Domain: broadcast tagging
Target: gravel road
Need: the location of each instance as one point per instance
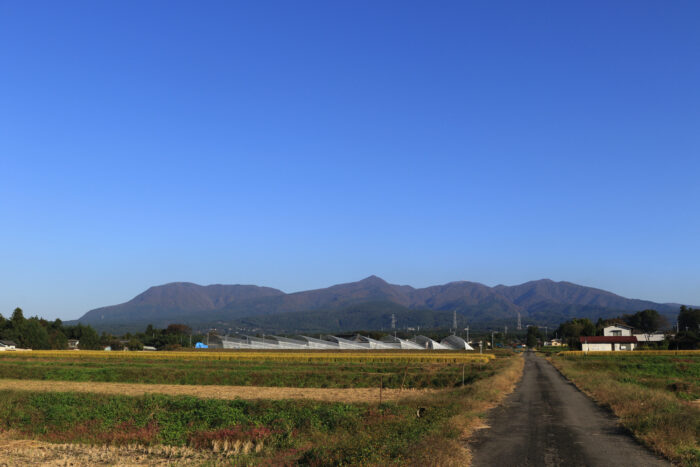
(548, 422)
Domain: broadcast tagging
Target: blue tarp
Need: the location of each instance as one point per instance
(199, 345)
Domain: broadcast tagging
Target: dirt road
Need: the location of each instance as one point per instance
(548, 422)
(370, 395)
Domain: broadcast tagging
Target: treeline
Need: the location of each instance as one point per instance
(39, 334)
(646, 321)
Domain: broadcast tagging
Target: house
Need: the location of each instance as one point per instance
(622, 330)
(553, 343)
(607, 343)
(617, 330)
(7, 345)
(73, 344)
(653, 337)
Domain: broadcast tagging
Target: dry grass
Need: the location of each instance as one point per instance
(357, 395)
(476, 400)
(16, 452)
(669, 426)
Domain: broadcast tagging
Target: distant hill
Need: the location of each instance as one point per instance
(366, 304)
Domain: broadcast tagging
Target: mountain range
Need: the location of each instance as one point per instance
(366, 304)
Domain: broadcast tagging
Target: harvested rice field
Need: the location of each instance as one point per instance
(336, 408)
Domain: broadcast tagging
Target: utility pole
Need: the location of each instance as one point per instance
(454, 321)
(393, 321)
(467, 329)
(520, 324)
(492, 347)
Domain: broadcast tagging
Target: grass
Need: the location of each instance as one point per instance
(654, 395)
(318, 373)
(269, 432)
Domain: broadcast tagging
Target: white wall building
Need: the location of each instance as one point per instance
(607, 343)
(617, 330)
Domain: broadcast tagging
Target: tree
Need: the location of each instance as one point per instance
(573, 329)
(689, 319)
(89, 339)
(57, 340)
(17, 318)
(32, 335)
(533, 336)
(648, 321)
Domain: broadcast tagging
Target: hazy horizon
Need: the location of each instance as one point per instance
(302, 145)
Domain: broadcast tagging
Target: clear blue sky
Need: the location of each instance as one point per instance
(302, 144)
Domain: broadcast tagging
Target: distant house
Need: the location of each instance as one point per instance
(653, 337)
(149, 348)
(607, 343)
(553, 343)
(7, 345)
(622, 330)
(617, 330)
(73, 344)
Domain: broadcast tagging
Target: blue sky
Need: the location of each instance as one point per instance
(302, 144)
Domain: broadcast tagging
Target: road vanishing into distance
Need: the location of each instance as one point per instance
(547, 421)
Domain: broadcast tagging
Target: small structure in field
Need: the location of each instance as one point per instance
(607, 343)
(456, 343)
(73, 344)
(7, 345)
(553, 343)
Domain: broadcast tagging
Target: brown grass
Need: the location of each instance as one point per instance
(476, 400)
(216, 392)
(29, 452)
(657, 418)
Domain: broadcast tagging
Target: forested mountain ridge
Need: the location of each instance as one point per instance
(367, 304)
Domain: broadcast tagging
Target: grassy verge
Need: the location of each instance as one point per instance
(657, 413)
(267, 432)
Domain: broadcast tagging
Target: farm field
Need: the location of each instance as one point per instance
(57, 422)
(272, 369)
(655, 394)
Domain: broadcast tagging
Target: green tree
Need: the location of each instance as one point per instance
(17, 318)
(533, 336)
(573, 329)
(57, 340)
(135, 344)
(32, 335)
(689, 319)
(89, 339)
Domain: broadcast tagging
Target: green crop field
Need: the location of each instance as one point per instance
(655, 394)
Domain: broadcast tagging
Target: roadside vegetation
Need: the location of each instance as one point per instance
(430, 428)
(656, 395)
